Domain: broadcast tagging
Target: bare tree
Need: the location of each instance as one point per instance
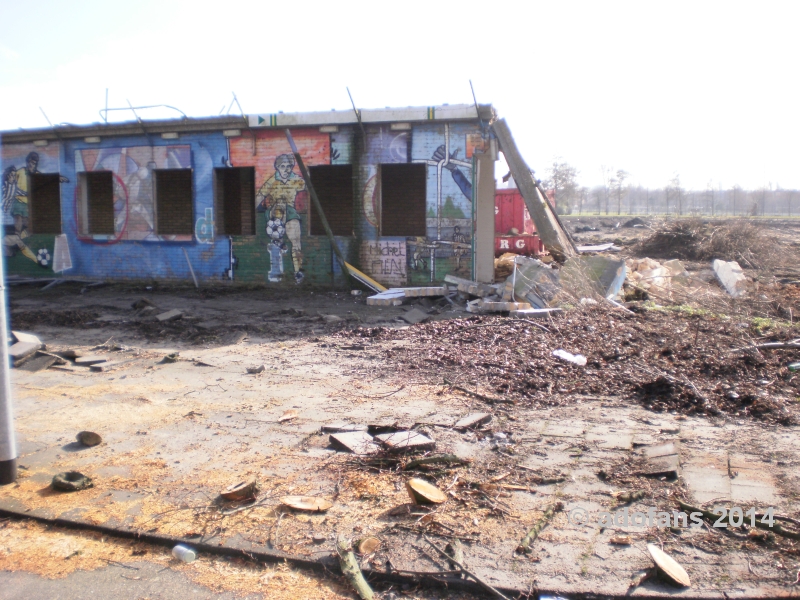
(617, 185)
(675, 193)
(563, 182)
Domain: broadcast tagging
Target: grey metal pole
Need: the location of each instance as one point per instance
(8, 443)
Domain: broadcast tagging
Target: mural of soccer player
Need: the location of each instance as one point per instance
(277, 197)
(13, 205)
(462, 181)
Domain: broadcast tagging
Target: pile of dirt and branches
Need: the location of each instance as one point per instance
(751, 244)
(692, 364)
(55, 318)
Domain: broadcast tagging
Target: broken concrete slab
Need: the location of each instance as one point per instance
(415, 316)
(731, 277)
(342, 427)
(38, 363)
(480, 306)
(357, 442)
(70, 354)
(88, 361)
(170, 315)
(21, 336)
(584, 276)
(473, 288)
(391, 297)
(534, 281)
(406, 441)
(534, 313)
(22, 350)
(473, 420)
(662, 460)
(423, 292)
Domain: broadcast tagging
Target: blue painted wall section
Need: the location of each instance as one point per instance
(274, 255)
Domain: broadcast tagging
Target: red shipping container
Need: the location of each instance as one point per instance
(510, 212)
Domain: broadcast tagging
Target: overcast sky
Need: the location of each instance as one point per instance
(707, 90)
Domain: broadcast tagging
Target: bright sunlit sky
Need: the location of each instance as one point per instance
(707, 90)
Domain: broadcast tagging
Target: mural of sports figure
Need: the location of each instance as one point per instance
(277, 197)
(16, 188)
(464, 184)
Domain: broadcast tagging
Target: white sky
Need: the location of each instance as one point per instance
(708, 90)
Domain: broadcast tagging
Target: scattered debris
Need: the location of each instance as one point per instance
(669, 567)
(244, 490)
(38, 363)
(29, 338)
(620, 540)
(578, 359)
(662, 460)
(142, 303)
(184, 553)
(22, 350)
(170, 315)
(525, 545)
(406, 441)
(71, 481)
(256, 370)
(289, 415)
(437, 459)
(351, 570)
(731, 277)
(415, 316)
(368, 545)
(89, 438)
(422, 492)
(473, 420)
(173, 357)
(92, 359)
(306, 503)
(342, 428)
(357, 442)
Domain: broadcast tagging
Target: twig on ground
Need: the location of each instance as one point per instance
(351, 570)
(525, 545)
(464, 570)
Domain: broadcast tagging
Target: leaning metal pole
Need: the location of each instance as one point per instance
(8, 444)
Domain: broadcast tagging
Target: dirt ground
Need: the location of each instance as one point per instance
(181, 419)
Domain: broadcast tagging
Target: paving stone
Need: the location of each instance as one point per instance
(21, 336)
(92, 359)
(406, 441)
(357, 442)
(473, 420)
(706, 476)
(611, 440)
(555, 430)
(38, 363)
(415, 316)
(170, 315)
(22, 350)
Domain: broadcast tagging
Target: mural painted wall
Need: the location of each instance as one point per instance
(26, 252)
(282, 251)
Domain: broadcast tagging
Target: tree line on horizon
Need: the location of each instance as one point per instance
(616, 197)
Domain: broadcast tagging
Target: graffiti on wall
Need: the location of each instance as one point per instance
(18, 169)
(204, 228)
(385, 260)
(134, 187)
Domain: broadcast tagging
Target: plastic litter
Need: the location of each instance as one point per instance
(578, 359)
(184, 553)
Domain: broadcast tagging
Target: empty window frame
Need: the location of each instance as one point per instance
(235, 199)
(174, 206)
(403, 200)
(334, 187)
(96, 203)
(44, 203)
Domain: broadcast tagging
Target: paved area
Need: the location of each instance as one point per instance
(177, 433)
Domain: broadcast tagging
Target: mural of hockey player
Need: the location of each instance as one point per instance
(16, 189)
(277, 197)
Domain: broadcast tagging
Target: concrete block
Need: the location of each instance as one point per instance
(357, 442)
(21, 336)
(415, 316)
(388, 298)
(731, 277)
(424, 292)
(473, 420)
(39, 363)
(22, 350)
(406, 441)
(170, 315)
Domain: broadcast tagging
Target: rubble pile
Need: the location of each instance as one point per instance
(667, 360)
